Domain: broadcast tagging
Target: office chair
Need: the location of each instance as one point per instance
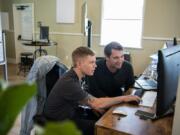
(45, 71)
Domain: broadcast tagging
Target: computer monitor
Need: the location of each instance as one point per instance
(168, 70)
(44, 33)
(84, 26)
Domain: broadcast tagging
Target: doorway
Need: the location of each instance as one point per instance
(23, 17)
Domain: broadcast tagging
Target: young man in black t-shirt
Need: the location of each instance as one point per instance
(113, 74)
(67, 93)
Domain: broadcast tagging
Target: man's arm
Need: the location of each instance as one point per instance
(106, 102)
(89, 99)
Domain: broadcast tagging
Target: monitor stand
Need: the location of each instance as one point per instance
(169, 112)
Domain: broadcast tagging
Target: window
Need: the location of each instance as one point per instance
(122, 22)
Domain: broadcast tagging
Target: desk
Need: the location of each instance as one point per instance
(110, 124)
(39, 44)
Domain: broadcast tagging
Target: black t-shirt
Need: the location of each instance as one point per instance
(64, 97)
(105, 83)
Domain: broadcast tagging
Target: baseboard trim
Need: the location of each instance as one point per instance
(159, 38)
(11, 60)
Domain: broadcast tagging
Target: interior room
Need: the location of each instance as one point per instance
(65, 29)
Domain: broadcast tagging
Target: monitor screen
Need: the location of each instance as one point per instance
(44, 32)
(168, 70)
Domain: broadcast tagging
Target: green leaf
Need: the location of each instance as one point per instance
(61, 128)
(3, 86)
(12, 101)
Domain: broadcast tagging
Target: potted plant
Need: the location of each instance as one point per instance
(12, 100)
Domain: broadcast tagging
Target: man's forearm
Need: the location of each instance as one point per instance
(103, 103)
(106, 102)
(88, 100)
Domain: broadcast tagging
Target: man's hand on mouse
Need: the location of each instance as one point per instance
(130, 98)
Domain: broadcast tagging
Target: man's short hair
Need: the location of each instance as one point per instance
(81, 52)
(110, 46)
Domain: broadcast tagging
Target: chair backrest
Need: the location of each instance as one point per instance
(51, 78)
(42, 68)
(53, 75)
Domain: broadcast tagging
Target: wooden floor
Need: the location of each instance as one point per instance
(14, 78)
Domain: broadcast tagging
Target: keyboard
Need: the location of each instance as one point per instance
(148, 98)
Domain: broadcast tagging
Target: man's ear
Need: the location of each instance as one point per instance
(79, 62)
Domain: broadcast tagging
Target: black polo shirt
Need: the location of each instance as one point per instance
(64, 97)
(105, 83)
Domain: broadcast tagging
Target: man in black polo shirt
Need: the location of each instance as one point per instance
(67, 93)
(113, 74)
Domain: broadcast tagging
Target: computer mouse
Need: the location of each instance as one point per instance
(134, 102)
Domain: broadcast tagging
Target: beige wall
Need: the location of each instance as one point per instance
(161, 22)
(0, 4)
(162, 18)
(10, 47)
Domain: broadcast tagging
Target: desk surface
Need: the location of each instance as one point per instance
(111, 124)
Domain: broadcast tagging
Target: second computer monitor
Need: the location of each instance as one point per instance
(44, 33)
(168, 72)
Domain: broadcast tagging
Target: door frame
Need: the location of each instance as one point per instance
(18, 43)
